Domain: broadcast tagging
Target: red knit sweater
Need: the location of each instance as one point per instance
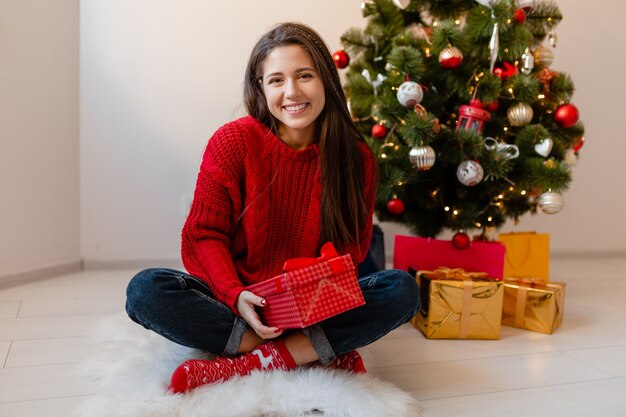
(257, 204)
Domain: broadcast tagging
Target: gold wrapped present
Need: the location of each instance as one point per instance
(459, 305)
(533, 304)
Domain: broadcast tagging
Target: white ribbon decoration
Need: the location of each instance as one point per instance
(505, 150)
(380, 78)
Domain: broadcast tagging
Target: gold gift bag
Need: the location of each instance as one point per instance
(533, 304)
(458, 305)
(527, 255)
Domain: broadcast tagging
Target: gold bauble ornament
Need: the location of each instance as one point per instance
(519, 114)
(543, 56)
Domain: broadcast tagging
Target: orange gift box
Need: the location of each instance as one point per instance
(311, 290)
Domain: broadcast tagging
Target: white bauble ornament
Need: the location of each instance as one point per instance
(410, 93)
(519, 114)
(470, 173)
(422, 157)
(402, 4)
(544, 147)
(550, 202)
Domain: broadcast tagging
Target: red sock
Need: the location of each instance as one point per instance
(196, 372)
(350, 361)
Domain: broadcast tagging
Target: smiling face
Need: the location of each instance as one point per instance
(294, 92)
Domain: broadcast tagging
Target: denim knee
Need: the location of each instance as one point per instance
(141, 292)
(406, 292)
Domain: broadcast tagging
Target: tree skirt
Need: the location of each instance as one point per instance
(131, 369)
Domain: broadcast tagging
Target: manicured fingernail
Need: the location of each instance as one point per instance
(277, 331)
(263, 302)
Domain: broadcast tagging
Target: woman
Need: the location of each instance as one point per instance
(274, 185)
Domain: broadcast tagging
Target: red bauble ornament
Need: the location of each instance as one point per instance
(493, 106)
(579, 144)
(461, 241)
(505, 70)
(566, 115)
(395, 206)
(450, 57)
(341, 59)
(379, 131)
(519, 15)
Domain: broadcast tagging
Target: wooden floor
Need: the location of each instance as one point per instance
(578, 371)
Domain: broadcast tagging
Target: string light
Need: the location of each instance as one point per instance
(457, 21)
(541, 96)
(523, 192)
(383, 156)
(446, 208)
(489, 219)
(455, 212)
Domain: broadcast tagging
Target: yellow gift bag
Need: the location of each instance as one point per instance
(527, 254)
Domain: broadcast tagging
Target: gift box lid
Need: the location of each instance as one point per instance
(304, 271)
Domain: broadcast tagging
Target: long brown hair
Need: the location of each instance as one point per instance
(343, 209)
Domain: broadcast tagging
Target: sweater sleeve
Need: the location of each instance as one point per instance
(358, 252)
(206, 235)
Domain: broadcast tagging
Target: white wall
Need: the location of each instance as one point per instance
(39, 206)
(158, 77)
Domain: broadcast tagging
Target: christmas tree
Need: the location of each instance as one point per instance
(457, 100)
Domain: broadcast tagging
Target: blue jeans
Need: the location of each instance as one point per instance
(183, 309)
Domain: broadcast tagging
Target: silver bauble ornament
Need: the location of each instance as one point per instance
(528, 62)
(519, 114)
(470, 173)
(543, 56)
(551, 202)
(410, 93)
(553, 38)
(422, 157)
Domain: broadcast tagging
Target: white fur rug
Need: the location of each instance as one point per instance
(132, 367)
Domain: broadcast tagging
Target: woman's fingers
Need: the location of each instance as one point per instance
(245, 305)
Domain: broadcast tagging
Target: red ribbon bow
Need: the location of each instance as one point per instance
(328, 252)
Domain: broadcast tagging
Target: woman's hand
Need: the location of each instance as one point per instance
(245, 305)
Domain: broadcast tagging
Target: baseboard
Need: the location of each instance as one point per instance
(587, 254)
(41, 273)
(138, 264)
